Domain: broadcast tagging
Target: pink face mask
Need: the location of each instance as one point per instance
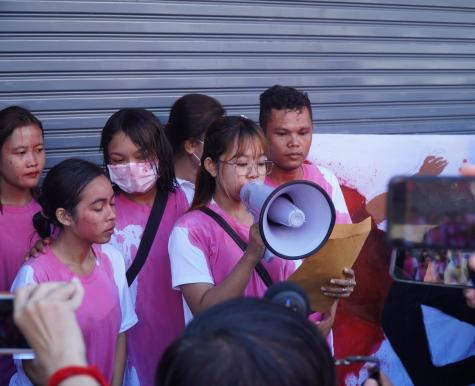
(134, 177)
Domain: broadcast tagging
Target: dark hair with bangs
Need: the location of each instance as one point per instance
(220, 136)
(190, 116)
(146, 132)
(12, 118)
(248, 342)
(282, 98)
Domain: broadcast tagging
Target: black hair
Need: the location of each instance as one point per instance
(219, 137)
(10, 119)
(282, 98)
(62, 188)
(146, 132)
(248, 342)
(190, 116)
(13, 117)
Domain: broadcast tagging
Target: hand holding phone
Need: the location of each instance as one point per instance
(12, 340)
(431, 224)
(45, 314)
(432, 212)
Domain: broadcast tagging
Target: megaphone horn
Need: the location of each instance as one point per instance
(295, 219)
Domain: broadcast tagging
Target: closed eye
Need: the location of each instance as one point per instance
(117, 161)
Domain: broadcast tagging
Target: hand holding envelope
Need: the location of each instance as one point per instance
(340, 251)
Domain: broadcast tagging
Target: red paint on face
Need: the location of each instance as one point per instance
(22, 157)
(357, 330)
(94, 218)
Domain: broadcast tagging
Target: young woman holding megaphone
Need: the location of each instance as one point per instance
(207, 265)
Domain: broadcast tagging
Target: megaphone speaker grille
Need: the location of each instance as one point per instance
(291, 242)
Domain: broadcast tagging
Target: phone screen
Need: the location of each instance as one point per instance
(446, 267)
(372, 364)
(433, 212)
(11, 339)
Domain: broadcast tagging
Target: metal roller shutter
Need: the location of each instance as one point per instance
(386, 66)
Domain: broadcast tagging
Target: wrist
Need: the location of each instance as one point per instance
(77, 373)
(64, 361)
(252, 257)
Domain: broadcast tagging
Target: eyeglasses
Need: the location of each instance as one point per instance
(263, 168)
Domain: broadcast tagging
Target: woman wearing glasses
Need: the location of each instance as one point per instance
(206, 263)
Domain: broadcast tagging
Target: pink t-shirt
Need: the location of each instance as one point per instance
(159, 308)
(105, 311)
(327, 180)
(202, 252)
(17, 236)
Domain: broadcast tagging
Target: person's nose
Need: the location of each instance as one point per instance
(294, 140)
(253, 171)
(111, 213)
(32, 160)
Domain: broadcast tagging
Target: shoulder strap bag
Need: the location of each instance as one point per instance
(260, 269)
(148, 236)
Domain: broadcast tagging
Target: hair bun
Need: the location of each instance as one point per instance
(42, 225)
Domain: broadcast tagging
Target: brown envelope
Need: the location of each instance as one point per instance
(340, 251)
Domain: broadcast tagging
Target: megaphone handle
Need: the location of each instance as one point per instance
(268, 256)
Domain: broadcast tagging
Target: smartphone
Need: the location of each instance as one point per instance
(373, 362)
(431, 212)
(443, 267)
(12, 340)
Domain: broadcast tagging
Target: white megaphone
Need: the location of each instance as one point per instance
(295, 219)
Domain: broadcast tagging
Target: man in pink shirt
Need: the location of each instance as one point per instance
(286, 117)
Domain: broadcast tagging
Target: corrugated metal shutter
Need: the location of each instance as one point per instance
(385, 66)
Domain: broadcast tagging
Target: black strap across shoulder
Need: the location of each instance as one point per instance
(260, 269)
(148, 236)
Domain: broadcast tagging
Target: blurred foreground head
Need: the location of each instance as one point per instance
(248, 342)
